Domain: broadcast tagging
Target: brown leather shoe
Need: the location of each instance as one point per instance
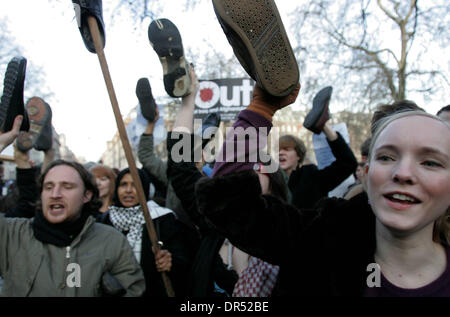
(40, 134)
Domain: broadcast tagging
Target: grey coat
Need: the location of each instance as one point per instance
(158, 168)
(32, 268)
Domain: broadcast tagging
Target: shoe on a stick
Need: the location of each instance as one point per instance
(320, 113)
(84, 9)
(12, 99)
(146, 100)
(256, 33)
(166, 41)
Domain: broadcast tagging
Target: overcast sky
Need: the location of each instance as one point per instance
(82, 111)
(81, 107)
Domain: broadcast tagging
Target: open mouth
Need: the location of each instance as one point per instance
(129, 198)
(56, 208)
(402, 198)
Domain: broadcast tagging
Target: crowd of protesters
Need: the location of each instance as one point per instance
(245, 230)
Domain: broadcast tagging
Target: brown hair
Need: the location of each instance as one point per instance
(385, 110)
(94, 203)
(290, 140)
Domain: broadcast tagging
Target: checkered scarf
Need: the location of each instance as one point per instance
(257, 280)
(132, 219)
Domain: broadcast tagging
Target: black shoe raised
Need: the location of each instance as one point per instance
(256, 33)
(210, 125)
(83, 9)
(146, 100)
(40, 134)
(45, 139)
(166, 41)
(12, 98)
(319, 114)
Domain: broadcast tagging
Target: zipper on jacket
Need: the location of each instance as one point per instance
(62, 285)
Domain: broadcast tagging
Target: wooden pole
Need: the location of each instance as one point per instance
(95, 33)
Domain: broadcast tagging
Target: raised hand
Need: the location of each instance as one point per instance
(8, 137)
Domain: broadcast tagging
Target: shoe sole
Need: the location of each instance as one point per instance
(166, 41)
(146, 100)
(12, 98)
(320, 101)
(44, 141)
(39, 116)
(258, 25)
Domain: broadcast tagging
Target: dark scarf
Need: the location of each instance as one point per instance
(59, 234)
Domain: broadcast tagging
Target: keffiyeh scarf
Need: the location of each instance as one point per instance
(257, 280)
(131, 220)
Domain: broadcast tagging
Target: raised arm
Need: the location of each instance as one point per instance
(184, 121)
(183, 174)
(146, 153)
(256, 122)
(344, 165)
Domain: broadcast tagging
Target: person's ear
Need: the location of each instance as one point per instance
(365, 176)
(87, 196)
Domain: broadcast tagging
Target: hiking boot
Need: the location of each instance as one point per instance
(83, 9)
(319, 114)
(146, 100)
(256, 33)
(166, 41)
(12, 98)
(212, 120)
(40, 134)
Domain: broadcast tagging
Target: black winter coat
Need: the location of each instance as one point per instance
(308, 184)
(320, 251)
(180, 241)
(208, 266)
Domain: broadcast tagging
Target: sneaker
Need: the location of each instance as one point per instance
(83, 9)
(40, 133)
(256, 33)
(12, 98)
(319, 114)
(166, 41)
(146, 100)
